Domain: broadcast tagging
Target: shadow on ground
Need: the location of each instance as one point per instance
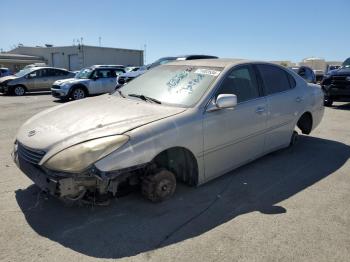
(131, 225)
(41, 93)
(344, 106)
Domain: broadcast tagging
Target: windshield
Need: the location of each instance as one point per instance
(23, 72)
(84, 73)
(173, 84)
(347, 63)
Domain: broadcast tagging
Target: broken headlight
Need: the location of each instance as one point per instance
(77, 158)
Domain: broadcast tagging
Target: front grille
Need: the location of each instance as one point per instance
(340, 82)
(56, 87)
(30, 155)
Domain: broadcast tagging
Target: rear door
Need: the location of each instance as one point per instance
(284, 102)
(235, 136)
(43, 81)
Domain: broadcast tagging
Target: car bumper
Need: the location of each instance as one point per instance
(71, 185)
(336, 92)
(59, 93)
(37, 175)
(3, 89)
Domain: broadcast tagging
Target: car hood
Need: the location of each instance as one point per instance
(70, 81)
(6, 78)
(340, 72)
(62, 126)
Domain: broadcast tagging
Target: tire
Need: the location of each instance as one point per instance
(78, 93)
(18, 90)
(328, 102)
(159, 186)
(293, 139)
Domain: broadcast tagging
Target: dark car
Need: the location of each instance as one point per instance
(305, 72)
(128, 76)
(336, 84)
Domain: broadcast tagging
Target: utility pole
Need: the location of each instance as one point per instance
(99, 41)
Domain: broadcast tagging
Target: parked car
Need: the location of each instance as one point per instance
(5, 72)
(305, 72)
(331, 68)
(35, 65)
(128, 76)
(336, 84)
(187, 121)
(131, 68)
(32, 79)
(93, 80)
(319, 75)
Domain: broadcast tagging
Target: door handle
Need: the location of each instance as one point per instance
(298, 99)
(260, 110)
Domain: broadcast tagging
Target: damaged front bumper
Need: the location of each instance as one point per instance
(67, 185)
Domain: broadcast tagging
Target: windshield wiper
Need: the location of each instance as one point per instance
(146, 98)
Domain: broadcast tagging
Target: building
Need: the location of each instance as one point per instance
(285, 63)
(16, 62)
(79, 56)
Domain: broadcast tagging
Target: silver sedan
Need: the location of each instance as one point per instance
(186, 121)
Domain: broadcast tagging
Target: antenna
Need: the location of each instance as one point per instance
(99, 41)
(144, 54)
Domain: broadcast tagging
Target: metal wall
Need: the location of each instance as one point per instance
(77, 57)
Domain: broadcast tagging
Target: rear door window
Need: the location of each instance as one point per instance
(275, 79)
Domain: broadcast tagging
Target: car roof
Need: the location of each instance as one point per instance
(221, 62)
(192, 57)
(107, 66)
(44, 67)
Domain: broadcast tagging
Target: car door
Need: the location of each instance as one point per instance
(284, 103)
(43, 81)
(31, 80)
(100, 81)
(110, 81)
(235, 136)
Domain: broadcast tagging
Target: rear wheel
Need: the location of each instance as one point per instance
(159, 186)
(78, 93)
(19, 91)
(328, 101)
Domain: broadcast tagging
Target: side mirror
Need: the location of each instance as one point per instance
(223, 101)
(94, 78)
(226, 101)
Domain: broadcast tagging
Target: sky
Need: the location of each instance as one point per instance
(251, 29)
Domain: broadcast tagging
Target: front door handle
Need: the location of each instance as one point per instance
(298, 99)
(260, 110)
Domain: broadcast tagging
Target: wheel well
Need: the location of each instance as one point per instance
(181, 162)
(80, 86)
(305, 123)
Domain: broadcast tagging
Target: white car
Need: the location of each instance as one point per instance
(93, 80)
(186, 121)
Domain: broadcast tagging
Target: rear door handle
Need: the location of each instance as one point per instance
(260, 110)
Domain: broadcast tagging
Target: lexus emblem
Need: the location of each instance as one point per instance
(31, 133)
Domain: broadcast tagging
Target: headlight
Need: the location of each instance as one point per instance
(77, 158)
